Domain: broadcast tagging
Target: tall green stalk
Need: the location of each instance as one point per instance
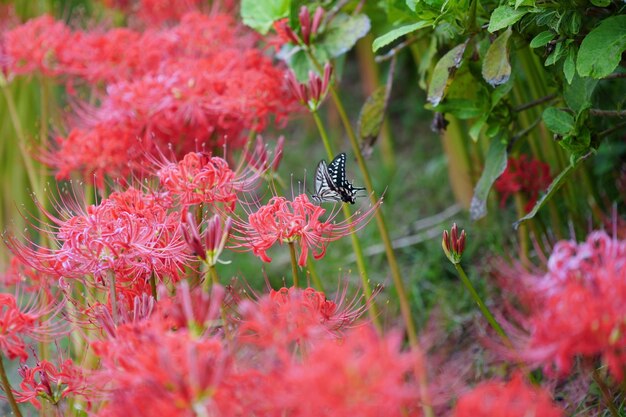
(356, 244)
(6, 386)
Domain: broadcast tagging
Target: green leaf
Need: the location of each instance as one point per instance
(478, 126)
(396, 33)
(372, 115)
(461, 108)
(542, 39)
(569, 66)
(504, 16)
(443, 72)
(578, 144)
(261, 14)
(343, 32)
(601, 3)
(578, 94)
(494, 167)
(558, 121)
(558, 52)
(500, 92)
(554, 186)
(496, 66)
(601, 50)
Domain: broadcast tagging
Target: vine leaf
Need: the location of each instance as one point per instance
(443, 72)
(396, 33)
(494, 167)
(504, 16)
(261, 14)
(601, 50)
(496, 65)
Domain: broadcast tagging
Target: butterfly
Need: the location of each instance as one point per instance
(331, 183)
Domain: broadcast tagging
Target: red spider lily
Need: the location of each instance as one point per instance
(156, 12)
(512, 399)
(130, 234)
(209, 247)
(261, 160)
(314, 92)
(206, 93)
(522, 175)
(147, 371)
(453, 244)
(293, 316)
(31, 320)
(52, 383)
(577, 307)
(284, 221)
(192, 309)
(202, 178)
(361, 375)
(308, 27)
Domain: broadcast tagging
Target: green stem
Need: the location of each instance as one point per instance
(7, 389)
(483, 308)
(153, 288)
(215, 280)
(21, 139)
(316, 279)
(380, 221)
(356, 244)
(294, 264)
(606, 394)
(113, 296)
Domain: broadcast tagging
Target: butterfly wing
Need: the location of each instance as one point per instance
(337, 172)
(325, 189)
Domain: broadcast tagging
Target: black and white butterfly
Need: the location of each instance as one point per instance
(331, 183)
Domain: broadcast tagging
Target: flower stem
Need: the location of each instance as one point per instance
(606, 394)
(380, 221)
(153, 286)
(215, 280)
(294, 264)
(356, 244)
(6, 386)
(113, 296)
(481, 305)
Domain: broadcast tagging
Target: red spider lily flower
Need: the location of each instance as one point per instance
(577, 307)
(522, 175)
(130, 234)
(192, 309)
(361, 375)
(314, 92)
(453, 245)
(51, 383)
(298, 221)
(26, 321)
(512, 399)
(157, 91)
(261, 160)
(148, 371)
(294, 316)
(202, 178)
(209, 247)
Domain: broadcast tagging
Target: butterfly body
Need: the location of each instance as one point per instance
(331, 183)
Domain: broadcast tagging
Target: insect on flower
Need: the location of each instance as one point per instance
(331, 183)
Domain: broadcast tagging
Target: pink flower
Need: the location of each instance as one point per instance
(50, 382)
(130, 234)
(202, 178)
(506, 399)
(362, 374)
(577, 306)
(29, 320)
(298, 221)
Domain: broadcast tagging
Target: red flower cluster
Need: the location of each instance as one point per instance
(298, 221)
(511, 399)
(175, 362)
(29, 321)
(577, 306)
(130, 234)
(522, 175)
(158, 93)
